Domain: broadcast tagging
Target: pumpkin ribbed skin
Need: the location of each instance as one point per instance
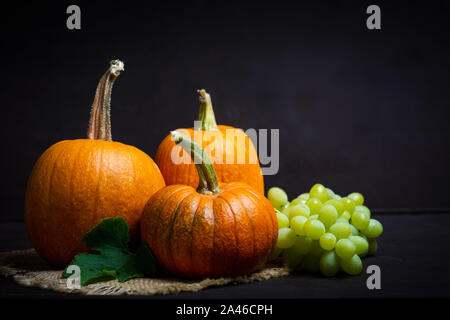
(195, 235)
(218, 145)
(77, 183)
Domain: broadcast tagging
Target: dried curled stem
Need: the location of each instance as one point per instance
(100, 120)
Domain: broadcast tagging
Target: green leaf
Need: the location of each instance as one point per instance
(109, 232)
(139, 265)
(115, 261)
(145, 259)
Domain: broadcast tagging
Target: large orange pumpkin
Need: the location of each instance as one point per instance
(77, 183)
(225, 229)
(231, 150)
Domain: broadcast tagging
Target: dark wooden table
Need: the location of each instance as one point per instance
(413, 256)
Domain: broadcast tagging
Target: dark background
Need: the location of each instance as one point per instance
(358, 110)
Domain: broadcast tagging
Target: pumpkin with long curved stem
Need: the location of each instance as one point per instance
(225, 229)
(232, 152)
(77, 183)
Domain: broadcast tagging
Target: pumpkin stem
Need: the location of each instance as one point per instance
(206, 112)
(100, 120)
(207, 175)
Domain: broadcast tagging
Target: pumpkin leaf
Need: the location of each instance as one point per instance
(138, 265)
(111, 232)
(114, 261)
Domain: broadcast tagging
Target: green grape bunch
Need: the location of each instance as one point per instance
(322, 231)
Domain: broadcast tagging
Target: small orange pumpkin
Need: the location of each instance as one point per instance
(77, 183)
(217, 230)
(233, 153)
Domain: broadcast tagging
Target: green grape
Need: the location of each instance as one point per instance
(314, 229)
(346, 215)
(297, 225)
(328, 215)
(341, 230)
(277, 197)
(352, 265)
(357, 198)
(314, 205)
(286, 238)
(338, 204)
(374, 229)
(349, 204)
(354, 231)
(291, 258)
(318, 191)
(311, 263)
(362, 209)
(343, 220)
(302, 245)
(373, 246)
(314, 217)
(283, 221)
(330, 193)
(327, 241)
(299, 210)
(362, 246)
(276, 252)
(304, 196)
(337, 197)
(367, 240)
(316, 249)
(284, 209)
(329, 264)
(345, 248)
(360, 220)
(294, 202)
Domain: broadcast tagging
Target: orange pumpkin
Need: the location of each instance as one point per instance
(217, 230)
(77, 183)
(231, 150)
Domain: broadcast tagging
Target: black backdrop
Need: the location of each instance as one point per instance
(357, 109)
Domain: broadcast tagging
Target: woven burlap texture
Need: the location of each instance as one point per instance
(27, 269)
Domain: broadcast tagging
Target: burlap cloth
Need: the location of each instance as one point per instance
(27, 269)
